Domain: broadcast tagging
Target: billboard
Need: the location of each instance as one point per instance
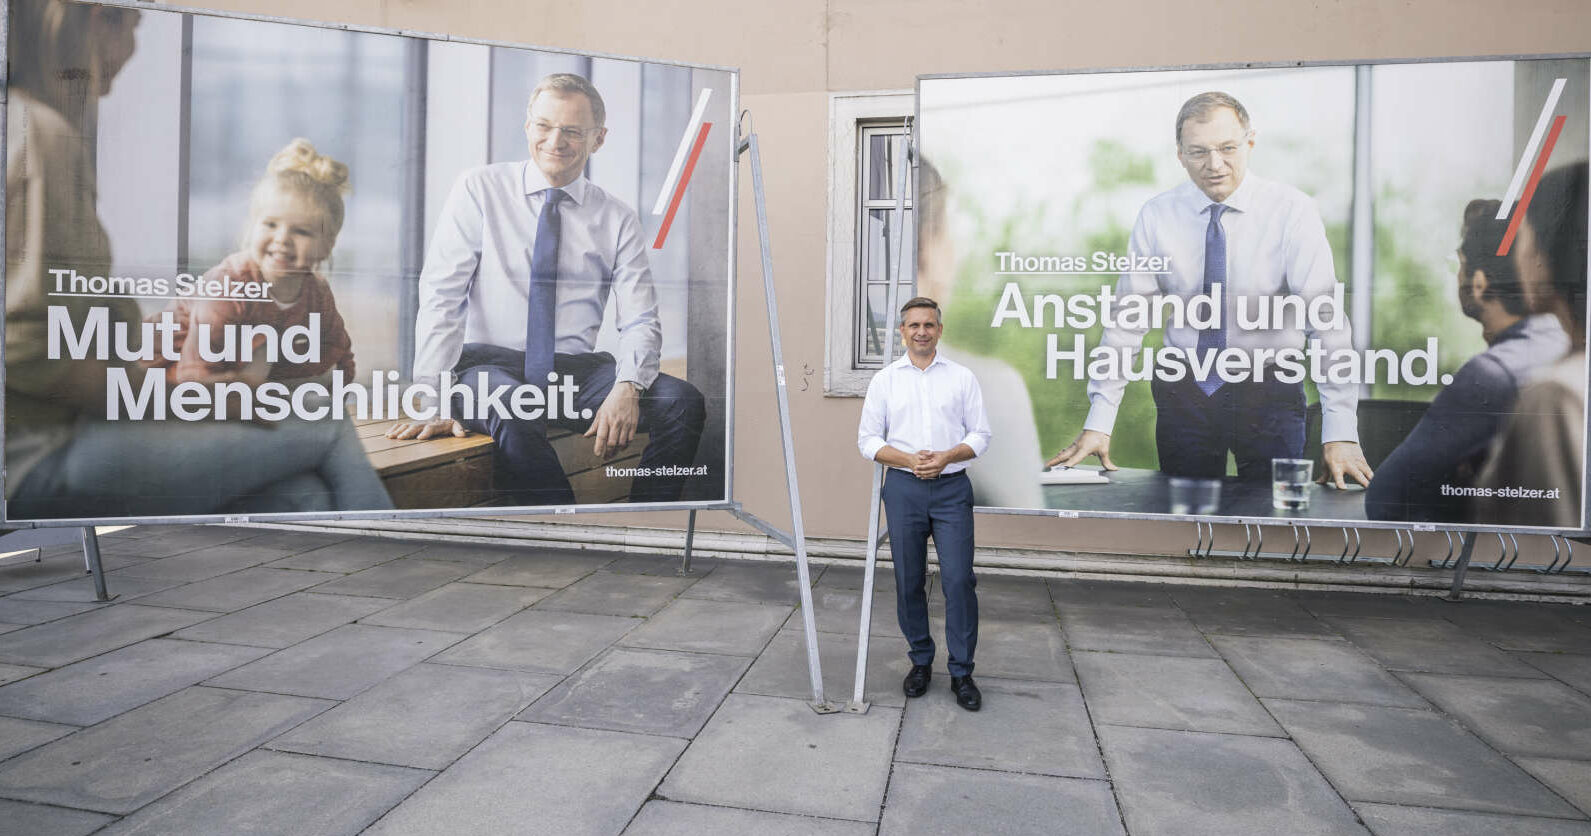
(256, 267)
(1199, 292)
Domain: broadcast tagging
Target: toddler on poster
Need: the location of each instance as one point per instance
(295, 213)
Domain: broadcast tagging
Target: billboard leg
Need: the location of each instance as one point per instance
(91, 555)
(858, 704)
(1457, 593)
(797, 529)
(690, 535)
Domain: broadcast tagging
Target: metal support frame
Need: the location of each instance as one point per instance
(37, 539)
(875, 534)
(746, 143)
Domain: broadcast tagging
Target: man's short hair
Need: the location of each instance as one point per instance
(567, 83)
(1200, 107)
(921, 302)
(1482, 235)
(1557, 215)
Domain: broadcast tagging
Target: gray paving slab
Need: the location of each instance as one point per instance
(1086, 593)
(124, 763)
(1417, 758)
(734, 628)
(98, 688)
(350, 555)
(1532, 717)
(1191, 783)
(1016, 649)
(285, 621)
(459, 607)
(1170, 692)
(401, 578)
(83, 591)
(424, 717)
(1014, 598)
(39, 820)
(853, 577)
(775, 754)
(18, 736)
(767, 583)
(781, 670)
(604, 593)
(1165, 632)
(671, 818)
(1571, 669)
(480, 555)
(165, 541)
(19, 576)
(12, 673)
(1569, 778)
(584, 781)
(92, 633)
(660, 564)
(1389, 820)
(1520, 625)
(1313, 669)
(338, 664)
(1252, 612)
(940, 799)
(14, 610)
(838, 610)
(540, 641)
(294, 542)
(200, 564)
(7, 628)
(274, 792)
(237, 590)
(1429, 646)
(660, 692)
(553, 570)
(1034, 727)
(1365, 605)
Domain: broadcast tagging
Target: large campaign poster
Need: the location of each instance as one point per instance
(1219, 293)
(261, 268)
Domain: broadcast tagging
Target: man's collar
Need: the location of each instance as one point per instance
(1241, 199)
(906, 360)
(535, 182)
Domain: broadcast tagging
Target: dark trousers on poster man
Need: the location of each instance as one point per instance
(942, 509)
(673, 414)
(1256, 420)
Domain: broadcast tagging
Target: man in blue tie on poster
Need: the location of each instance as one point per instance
(1231, 231)
(515, 285)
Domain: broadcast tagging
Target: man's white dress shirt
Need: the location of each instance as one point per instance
(475, 285)
(1276, 246)
(914, 409)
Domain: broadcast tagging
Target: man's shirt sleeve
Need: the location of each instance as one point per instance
(635, 308)
(450, 267)
(975, 418)
(875, 418)
(1311, 274)
(1104, 396)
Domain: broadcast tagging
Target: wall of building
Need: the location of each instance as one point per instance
(794, 54)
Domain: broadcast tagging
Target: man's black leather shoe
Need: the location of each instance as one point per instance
(916, 683)
(967, 694)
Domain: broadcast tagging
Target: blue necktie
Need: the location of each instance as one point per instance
(541, 322)
(1214, 339)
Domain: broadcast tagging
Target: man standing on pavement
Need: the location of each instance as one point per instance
(924, 419)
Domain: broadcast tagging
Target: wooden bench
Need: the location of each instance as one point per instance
(449, 472)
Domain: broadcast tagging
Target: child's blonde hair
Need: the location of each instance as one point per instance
(300, 169)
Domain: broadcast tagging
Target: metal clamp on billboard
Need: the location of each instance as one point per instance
(1339, 294)
(263, 268)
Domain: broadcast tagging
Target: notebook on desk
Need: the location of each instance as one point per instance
(1072, 476)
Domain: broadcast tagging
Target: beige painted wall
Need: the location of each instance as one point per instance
(793, 54)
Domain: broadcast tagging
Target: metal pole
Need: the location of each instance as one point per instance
(797, 529)
(858, 704)
(690, 535)
(91, 554)
(1457, 592)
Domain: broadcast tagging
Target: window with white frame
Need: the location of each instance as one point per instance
(866, 150)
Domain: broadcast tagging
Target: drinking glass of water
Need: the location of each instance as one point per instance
(1290, 480)
(1195, 496)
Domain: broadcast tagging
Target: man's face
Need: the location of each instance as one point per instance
(562, 134)
(1215, 153)
(919, 330)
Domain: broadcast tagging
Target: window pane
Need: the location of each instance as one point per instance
(881, 165)
(878, 246)
(870, 349)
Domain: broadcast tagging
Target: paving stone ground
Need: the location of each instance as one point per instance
(268, 681)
